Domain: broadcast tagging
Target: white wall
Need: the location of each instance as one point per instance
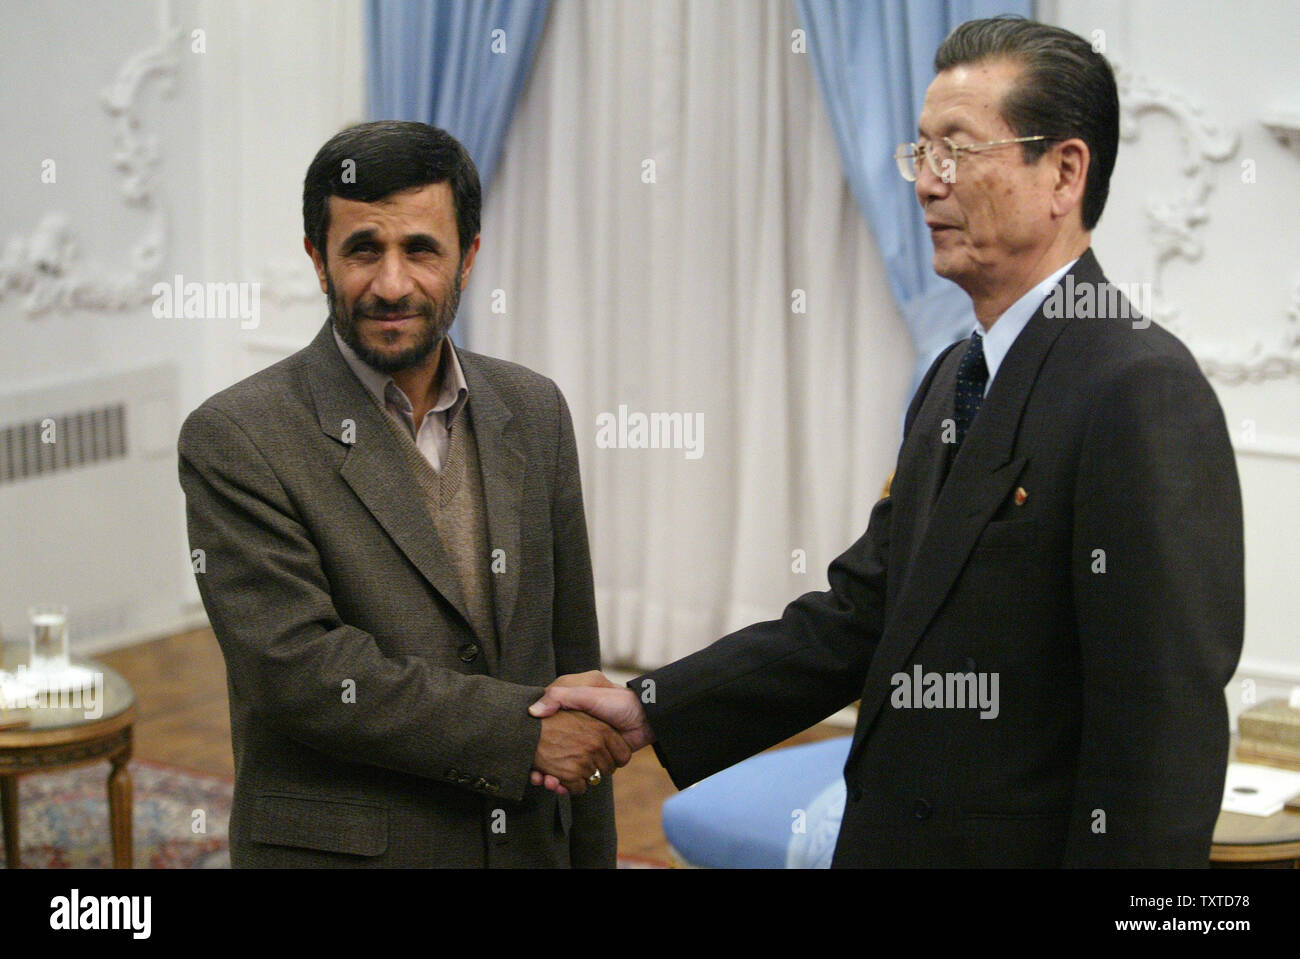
(1204, 205)
(230, 117)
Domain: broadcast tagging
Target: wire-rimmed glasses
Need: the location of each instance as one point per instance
(942, 154)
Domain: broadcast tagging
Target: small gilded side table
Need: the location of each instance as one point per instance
(65, 736)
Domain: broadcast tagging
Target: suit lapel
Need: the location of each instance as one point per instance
(501, 464)
(375, 466)
(921, 465)
(939, 540)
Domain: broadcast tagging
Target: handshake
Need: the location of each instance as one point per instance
(590, 727)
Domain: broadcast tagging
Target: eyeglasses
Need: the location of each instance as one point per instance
(941, 154)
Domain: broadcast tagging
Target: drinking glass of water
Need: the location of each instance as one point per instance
(49, 637)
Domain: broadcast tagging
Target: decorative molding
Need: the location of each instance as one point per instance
(1275, 447)
(44, 270)
(1174, 223)
(1261, 363)
(1285, 127)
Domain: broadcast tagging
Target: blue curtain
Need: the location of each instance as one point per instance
(873, 63)
(457, 64)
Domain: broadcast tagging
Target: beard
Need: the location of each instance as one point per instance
(435, 319)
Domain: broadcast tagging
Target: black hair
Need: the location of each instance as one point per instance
(370, 161)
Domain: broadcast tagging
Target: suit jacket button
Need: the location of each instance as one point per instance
(921, 809)
(468, 653)
(855, 794)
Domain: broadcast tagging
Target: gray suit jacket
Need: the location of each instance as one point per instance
(371, 726)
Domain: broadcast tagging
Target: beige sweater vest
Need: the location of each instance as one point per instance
(454, 499)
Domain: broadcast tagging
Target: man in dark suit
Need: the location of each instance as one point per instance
(1041, 618)
(394, 554)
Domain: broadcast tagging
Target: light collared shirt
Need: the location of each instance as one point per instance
(434, 434)
(1007, 327)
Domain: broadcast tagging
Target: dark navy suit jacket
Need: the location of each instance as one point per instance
(1086, 547)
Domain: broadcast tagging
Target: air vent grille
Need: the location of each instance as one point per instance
(56, 444)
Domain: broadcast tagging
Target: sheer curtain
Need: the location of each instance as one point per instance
(874, 62)
(670, 231)
(458, 64)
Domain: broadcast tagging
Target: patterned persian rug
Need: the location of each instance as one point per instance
(181, 820)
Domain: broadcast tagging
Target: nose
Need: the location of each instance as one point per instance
(393, 281)
(929, 186)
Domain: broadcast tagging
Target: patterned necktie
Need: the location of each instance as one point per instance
(972, 376)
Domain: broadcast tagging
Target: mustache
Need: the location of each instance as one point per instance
(380, 309)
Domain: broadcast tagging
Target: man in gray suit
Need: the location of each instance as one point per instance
(395, 554)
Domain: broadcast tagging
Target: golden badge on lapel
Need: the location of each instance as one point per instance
(1021, 496)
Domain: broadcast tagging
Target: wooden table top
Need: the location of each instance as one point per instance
(108, 703)
(1242, 838)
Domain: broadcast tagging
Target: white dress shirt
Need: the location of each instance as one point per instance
(999, 337)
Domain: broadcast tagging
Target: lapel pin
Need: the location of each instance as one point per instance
(1021, 496)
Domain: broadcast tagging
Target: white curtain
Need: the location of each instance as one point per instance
(684, 295)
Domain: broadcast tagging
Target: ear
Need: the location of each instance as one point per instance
(468, 263)
(1072, 159)
(318, 261)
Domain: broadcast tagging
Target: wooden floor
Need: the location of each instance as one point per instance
(184, 719)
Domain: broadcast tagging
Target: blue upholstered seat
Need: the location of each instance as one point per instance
(775, 810)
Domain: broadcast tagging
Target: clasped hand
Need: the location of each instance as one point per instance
(589, 725)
